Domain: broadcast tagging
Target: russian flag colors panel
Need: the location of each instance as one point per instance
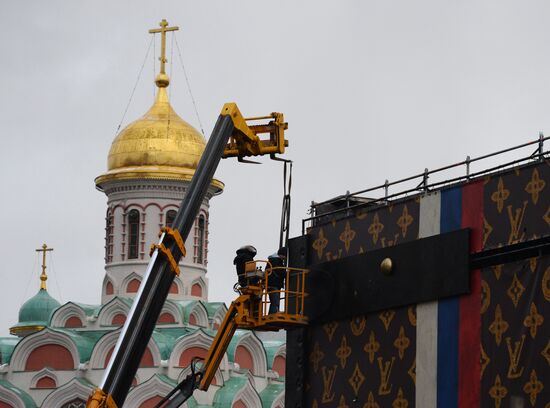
(448, 331)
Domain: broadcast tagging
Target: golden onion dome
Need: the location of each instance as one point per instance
(159, 138)
(159, 145)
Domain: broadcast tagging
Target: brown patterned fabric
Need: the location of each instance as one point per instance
(363, 361)
(515, 304)
(368, 359)
(515, 333)
(516, 206)
(365, 231)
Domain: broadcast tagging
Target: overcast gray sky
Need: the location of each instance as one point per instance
(372, 90)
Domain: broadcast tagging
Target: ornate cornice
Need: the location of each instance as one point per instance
(150, 173)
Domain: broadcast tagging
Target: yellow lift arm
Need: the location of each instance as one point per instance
(248, 311)
(245, 140)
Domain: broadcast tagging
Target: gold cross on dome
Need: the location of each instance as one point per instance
(163, 30)
(43, 276)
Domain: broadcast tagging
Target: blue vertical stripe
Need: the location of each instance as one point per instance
(447, 319)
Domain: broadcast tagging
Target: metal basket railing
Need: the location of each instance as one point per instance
(292, 295)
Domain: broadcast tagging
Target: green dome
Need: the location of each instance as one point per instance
(38, 308)
(35, 312)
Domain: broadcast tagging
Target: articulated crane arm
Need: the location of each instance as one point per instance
(203, 378)
(163, 266)
(248, 311)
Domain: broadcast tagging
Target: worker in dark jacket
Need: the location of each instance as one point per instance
(244, 254)
(276, 278)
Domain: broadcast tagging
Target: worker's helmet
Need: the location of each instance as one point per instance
(247, 249)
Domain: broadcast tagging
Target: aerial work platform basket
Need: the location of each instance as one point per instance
(254, 312)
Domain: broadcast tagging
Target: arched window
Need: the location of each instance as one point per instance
(119, 319)
(49, 355)
(109, 229)
(196, 290)
(166, 318)
(170, 216)
(46, 382)
(279, 365)
(174, 288)
(133, 234)
(190, 353)
(200, 239)
(73, 321)
(133, 286)
(244, 359)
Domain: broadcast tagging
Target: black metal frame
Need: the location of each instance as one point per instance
(510, 253)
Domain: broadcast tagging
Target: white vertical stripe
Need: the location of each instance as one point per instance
(426, 315)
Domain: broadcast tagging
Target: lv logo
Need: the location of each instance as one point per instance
(385, 373)
(328, 380)
(332, 257)
(515, 354)
(516, 219)
(389, 242)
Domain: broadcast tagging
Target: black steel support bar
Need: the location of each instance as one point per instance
(510, 253)
(156, 284)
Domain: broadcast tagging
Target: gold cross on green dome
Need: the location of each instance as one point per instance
(43, 276)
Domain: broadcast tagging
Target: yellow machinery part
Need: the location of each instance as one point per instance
(219, 345)
(168, 254)
(245, 140)
(100, 400)
(176, 237)
(249, 311)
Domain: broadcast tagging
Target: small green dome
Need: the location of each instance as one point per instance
(38, 308)
(35, 313)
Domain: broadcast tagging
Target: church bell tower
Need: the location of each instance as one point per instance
(150, 165)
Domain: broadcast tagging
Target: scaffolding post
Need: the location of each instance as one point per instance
(425, 179)
(541, 146)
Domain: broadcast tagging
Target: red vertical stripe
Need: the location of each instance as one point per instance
(469, 342)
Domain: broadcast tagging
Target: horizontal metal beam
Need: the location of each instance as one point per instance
(510, 253)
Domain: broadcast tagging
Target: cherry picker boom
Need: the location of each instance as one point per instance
(248, 311)
(232, 137)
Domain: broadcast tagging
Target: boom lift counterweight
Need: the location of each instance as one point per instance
(248, 311)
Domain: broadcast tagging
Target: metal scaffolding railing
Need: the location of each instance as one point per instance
(292, 295)
(424, 184)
